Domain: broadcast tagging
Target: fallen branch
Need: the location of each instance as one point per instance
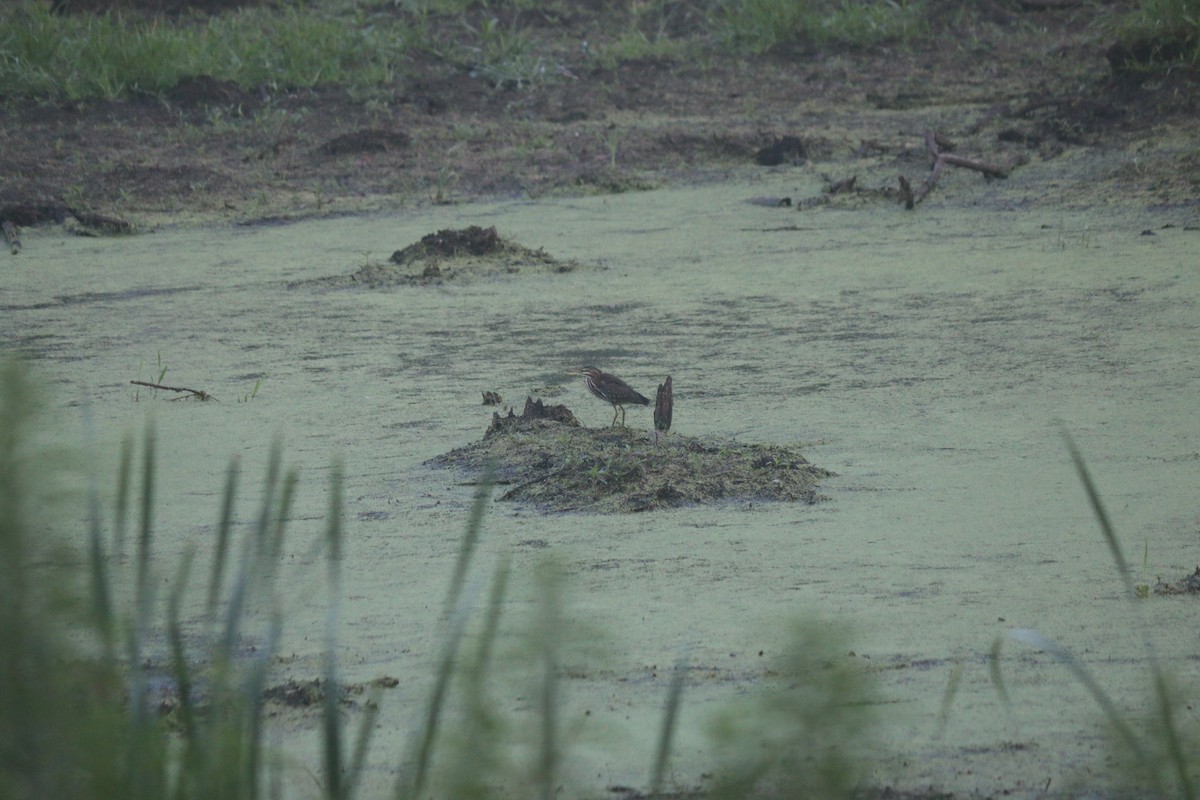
(196, 393)
(933, 144)
(102, 223)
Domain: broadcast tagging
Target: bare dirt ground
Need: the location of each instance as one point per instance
(1010, 83)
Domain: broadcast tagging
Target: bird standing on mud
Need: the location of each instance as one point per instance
(611, 389)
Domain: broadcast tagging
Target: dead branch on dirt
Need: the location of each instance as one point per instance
(844, 186)
(10, 236)
(101, 223)
(934, 144)
(196, 393)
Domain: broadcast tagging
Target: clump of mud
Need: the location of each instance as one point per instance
(1188, 584)
(554, 464)
(449, 256)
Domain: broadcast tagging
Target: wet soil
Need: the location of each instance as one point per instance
(1009, 83)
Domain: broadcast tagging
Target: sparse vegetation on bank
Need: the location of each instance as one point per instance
(359, 45)
(1156, 35)
(242, 110)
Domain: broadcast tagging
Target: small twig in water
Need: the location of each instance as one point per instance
(196, 393)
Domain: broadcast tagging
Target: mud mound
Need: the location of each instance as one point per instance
(1188, 584)
(554, 464)
(449, 256)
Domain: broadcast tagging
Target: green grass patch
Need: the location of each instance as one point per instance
(113, 55)
(1157, 35)
(758, 26)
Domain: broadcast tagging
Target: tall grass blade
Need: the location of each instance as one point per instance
(1106, 527)
(550, 626)
(471, 538)
(237, 602)
(275, 545)
(254, 552)
(224, 526)
(336, 788)
(491, 622)
(179, 662)
(1169, 729)
(662, 753)
(1036, 640)
(252, 695)
(475, 771)
(102, 613)
(274, 461)
(124, 479)
(102, 604)
(141, 725)
(1175, 748)
(458, 607)
(144, 599)
(426, 735)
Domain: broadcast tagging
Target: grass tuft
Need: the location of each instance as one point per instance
(812, 732)
(758, 26)
(114, 55)
(1156, 36)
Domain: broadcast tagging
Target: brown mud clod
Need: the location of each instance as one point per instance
(1188, 584)
(449, 256)
(552, 463)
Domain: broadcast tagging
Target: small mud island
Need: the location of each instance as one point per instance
(448, 256)
(546, 459)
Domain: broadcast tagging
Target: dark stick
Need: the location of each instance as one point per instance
(970, 163)
(925, 188)
(940, 160)
(197, 393)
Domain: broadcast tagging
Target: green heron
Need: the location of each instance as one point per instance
(611, 389)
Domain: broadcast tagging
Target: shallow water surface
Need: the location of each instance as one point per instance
(927, 358)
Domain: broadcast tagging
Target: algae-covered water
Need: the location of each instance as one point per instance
(929, 359)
